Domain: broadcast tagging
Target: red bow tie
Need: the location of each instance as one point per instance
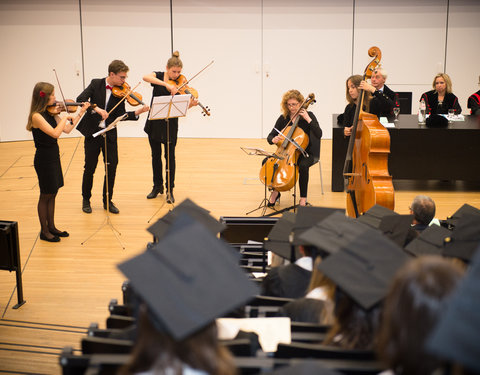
(109, 87)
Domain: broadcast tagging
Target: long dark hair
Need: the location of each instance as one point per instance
(40, 97)
(411, 310)
(354, 327)
(158, 351)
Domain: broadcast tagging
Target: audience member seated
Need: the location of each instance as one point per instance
(362, 272)
(317, 305)
(455, 337)
(177, 330)
(474, 102)
(441, 99)
(291, 280)
(423, 211)
(383, 98)
(415, 301)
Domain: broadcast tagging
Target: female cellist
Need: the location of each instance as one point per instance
(163, 85)
(308, 123)
(46, 128)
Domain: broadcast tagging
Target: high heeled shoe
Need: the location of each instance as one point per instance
(277, 199)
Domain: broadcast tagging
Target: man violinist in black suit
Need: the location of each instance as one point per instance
(99, 92)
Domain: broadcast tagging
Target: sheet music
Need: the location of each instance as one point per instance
(169, 106)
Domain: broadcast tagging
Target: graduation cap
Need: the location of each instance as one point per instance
(364, 268)
(374, 215)
(398, 228)
(279, 240)
(464, 239)
(159, 228)
(436, 121)
(465, 209)
(430, 242)
(333, 233)
(456, 335)
(188, 279)
(305, 367)
(307, 217)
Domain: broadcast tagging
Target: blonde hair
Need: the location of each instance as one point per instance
(40, 97)
(175, 60)
(356, 79)
(447, 80)
(290, 94)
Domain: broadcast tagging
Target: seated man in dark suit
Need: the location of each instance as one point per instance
(291, 280)
(423, 209)
(383, 98)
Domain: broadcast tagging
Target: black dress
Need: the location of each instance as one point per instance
(47, 159)
(450, 101)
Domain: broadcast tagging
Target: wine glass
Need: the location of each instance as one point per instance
(451, 115)
(396, 111)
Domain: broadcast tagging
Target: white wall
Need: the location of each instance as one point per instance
(260, 48)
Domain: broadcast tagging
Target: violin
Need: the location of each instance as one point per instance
(133, 98)
(280, 171)
(181, 84)
(57, 107)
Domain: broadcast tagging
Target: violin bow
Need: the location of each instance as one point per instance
(61, 93)
(185, 83)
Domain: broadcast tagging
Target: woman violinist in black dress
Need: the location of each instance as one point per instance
(46, 127)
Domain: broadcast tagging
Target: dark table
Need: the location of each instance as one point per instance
(421, 153)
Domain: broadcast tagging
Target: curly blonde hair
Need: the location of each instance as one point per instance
(290, 94)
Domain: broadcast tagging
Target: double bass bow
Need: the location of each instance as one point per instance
(366, 178)
(280, 171)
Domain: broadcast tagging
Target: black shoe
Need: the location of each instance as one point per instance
(45, 238)
(277, 199)
(170, 199)
(111, 207)
(86, 206)
(155, 191)
(58, 233)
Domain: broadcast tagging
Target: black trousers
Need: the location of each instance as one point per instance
(93, 146)
(304, 165)
(157, 166)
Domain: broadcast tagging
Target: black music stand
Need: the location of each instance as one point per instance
(10, 255)
(164, 108)
(107, 221)
(261, 152)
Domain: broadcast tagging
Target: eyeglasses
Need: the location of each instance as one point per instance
(292, 104)
(124, 77)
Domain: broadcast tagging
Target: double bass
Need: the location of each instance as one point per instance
(280, 171)
(366, 178)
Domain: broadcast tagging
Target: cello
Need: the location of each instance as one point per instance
(366, 178)
(280, 171)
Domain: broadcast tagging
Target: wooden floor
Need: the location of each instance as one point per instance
(68, 285)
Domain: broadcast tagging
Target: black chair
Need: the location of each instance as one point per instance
(261, 306)
(103, 345)
(99, 364)
(117, 309)
(242, 229)
(309, 327)
(120, 321)
(405, 101)
(303, 350)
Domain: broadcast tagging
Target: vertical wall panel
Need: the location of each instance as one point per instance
(230, 34)
(463, 52)
(36, 37)
(137, 33)
(307, 46)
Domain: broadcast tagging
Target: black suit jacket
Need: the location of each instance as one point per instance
(382, 103)
(96, 94)
(290, 281)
